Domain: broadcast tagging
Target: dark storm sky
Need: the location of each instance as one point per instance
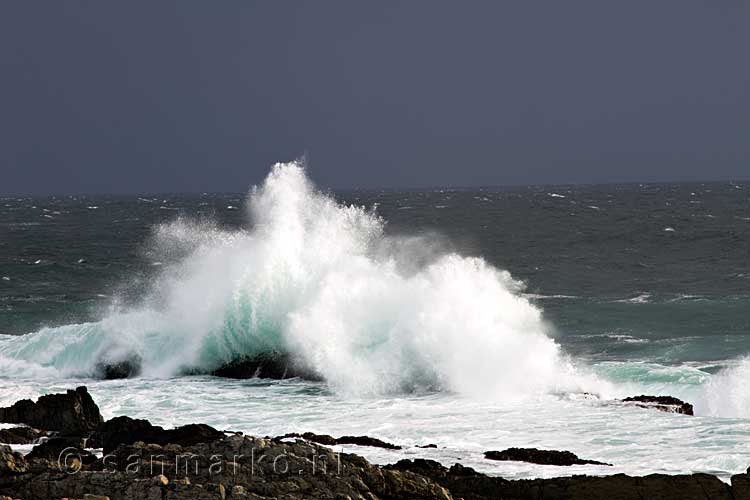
(204, 96)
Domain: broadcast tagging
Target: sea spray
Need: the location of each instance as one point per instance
(727, 393)
(320, 281)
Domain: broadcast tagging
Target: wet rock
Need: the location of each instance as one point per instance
(367, 441)
(663, 487)
(273, 366)
(57, 448)
(126, 430)
(462, 482)
(662, 403)
(741, 486)
(421, 466)
(327, 440)
(187, 435)
(72, 412)
(119, 430)
(232, 467)
(11, 462)
(465, 482)
(542, 457)
(21, 435)
(127, 368)
(324, 439)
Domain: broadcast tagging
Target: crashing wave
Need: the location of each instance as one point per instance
(321, 284)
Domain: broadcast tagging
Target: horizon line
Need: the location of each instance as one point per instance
(386, 188)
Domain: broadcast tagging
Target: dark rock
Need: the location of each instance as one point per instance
(620, 486)
(73, 412)
(126, 430)
(324, 439)
(120, 430)
(273, 366)
(542, 457)
(465, 482)
(55, 449)
(367, 441)
(20, 435)
(431, 445)
(662, 403)
(462, 482)
(421, 466)
(327, 440)
(741, 486)
(232, 467)
(248, 468)
(188, 435)
(127, 368)
(11, 462)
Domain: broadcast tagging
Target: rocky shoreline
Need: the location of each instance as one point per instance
(143, 461)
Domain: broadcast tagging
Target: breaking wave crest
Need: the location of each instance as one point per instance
(322, 283)
(719, 391)
(726, 394)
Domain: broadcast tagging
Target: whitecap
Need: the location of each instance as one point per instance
(686, 297)
(626, 339)
(538, 296)
(642, 298)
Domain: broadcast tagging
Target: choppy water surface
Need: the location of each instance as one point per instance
(472, 319)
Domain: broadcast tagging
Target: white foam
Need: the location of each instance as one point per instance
(727, 394)
(642, 298)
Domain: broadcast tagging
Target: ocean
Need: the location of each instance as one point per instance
(474, 319)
